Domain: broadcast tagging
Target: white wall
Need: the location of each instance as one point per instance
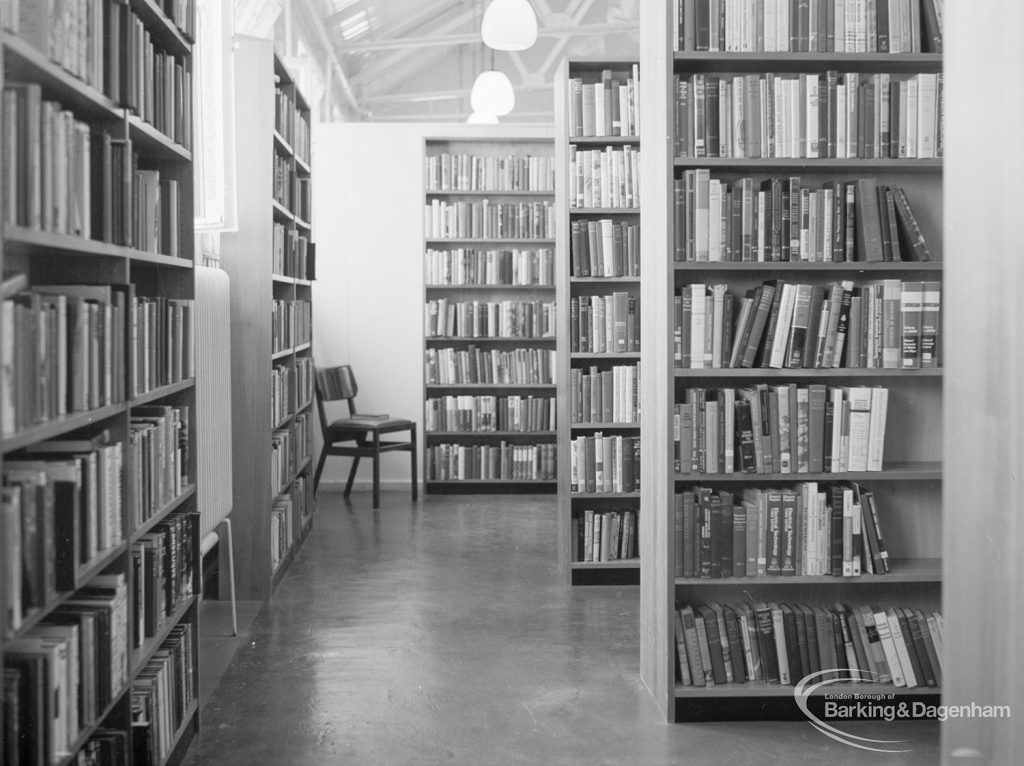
(368, 297)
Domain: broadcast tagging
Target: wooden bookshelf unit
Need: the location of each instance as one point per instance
(270, 263)
(679, 380)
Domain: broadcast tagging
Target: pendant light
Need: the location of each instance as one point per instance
(509, 25)
(492, 92)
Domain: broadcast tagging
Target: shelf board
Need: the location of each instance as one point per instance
(489, 434)
(488, 193)
(99, 562)
(24, 62)
(186, 724)
(280, 354)
(163, 513)
(303, 224)
(142, 655)
(283, 422)
(155, 143)
(600, 426)
(302, 165)
(604, 211)
(603, 140)
(804, 373)
(762, 689)
(492, 386)
(584, 355)
(926, 570)
(810, 266)
(604, 280)
(508, 288)
(471, 339)
(302, 347)
(302, 282)
(281, 279)
(86, 732)
(282, 146)
(706, 61)
(161, 392)
(924, 471)
(604, 495)
(617, 564)
(858, 166)
(305, 463)
(490, 241)
(58, 426)
(538, 482)
(20, 238)
(281, 212)
(161, 27)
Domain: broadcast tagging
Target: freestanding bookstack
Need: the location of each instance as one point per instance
(270, 263)
(99, 531)
(489, 324)
(792, 250)
(598, 206)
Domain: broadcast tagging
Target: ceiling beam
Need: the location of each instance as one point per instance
(407, 43)
(438, 95)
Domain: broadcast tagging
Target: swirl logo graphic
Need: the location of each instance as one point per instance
(808, 685)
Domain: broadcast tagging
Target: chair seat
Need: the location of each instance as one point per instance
(347, 428)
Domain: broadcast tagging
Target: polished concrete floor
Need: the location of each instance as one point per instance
(440, 632)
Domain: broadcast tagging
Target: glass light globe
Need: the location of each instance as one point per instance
(492, 94)
(509, 25)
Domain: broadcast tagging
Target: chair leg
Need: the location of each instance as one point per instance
(376, 469)
(415, 482)
(351, 475)
(319, 470)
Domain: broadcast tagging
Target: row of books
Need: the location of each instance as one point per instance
(64, 672)
(107, 46)
(604, 178)
(462, 171)
(284, 182)
(162, 695)
(468, 266)
(290, 123)
(480, 414)
(605, 396)
(609, 106)
(808, 26)
(446, 318)
(794, 531)
(289, 447)
(604, 248)
(604, 535)
(502, 461)
(62, 502)
(305, 373)
(158, 448)
(163, 330)
(888, 324)
(830, 115)
(164, 574)
(603, 464)
(291, 252)
(784, 643)
(282, 512)
(303, 499)
(61, 353)
(281, 401)
(780, 429)
(291, 324)
(303, 200)
(604, 324)
(446, 219)
(786, 220)
(519, 366)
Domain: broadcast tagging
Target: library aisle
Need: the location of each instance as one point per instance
(442, 632)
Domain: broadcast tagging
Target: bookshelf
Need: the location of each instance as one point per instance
(682, 380)
(489, 322)
(597, 151)
(99, 525)
(271, 265)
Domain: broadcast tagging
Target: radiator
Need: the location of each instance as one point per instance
(213, 396)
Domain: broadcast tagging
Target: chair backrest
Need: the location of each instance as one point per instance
(334, 384)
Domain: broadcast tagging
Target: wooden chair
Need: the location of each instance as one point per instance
(357, 435)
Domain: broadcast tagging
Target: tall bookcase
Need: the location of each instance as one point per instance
(270, 263)
(907, 489)
(598, 288)
(99, 526)
(489, 325)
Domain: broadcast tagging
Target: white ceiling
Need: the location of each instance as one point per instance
(417, 59)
